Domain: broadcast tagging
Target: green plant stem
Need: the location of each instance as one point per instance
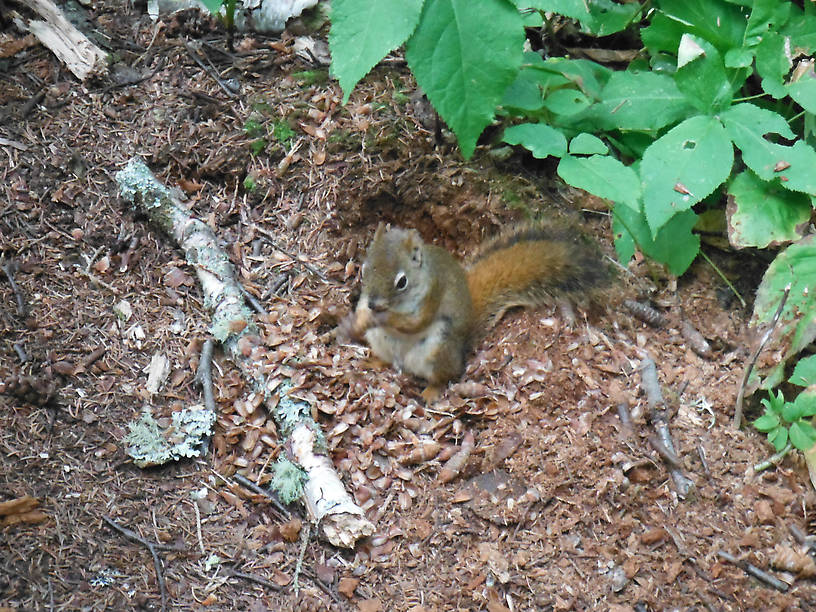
(773, 459)
(746, 98)
(724, 277)
(795, 117)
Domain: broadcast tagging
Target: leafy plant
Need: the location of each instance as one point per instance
(719, 104)
(786, 421)
(228, 16)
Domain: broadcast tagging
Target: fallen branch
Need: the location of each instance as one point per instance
(663, 443)
(329, 505)
(753, 570)
(71, 46)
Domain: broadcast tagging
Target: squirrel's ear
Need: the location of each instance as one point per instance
(414, 244)
(381, 229)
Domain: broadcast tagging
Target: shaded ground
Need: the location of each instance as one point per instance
(591, 520)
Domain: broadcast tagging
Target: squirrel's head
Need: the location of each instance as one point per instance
(393, 277)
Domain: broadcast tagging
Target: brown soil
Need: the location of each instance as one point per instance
(561, 506)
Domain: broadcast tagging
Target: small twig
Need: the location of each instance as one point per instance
(309, 267)
(305, 532)
(626, 419)
(50, 594)
(702, 454)
(654, 397)
(9, 269)
(209, 72)
(753, 570)
(198, 528)
(749, 368)
(801, 537)
(246, 482)
(773, 459)
(253, 578)
(252, 301)
(93, 357)
(204, 374)
(725, 278)
(132, 535)
(666, 454)
(21, 354)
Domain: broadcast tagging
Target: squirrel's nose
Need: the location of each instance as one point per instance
(377, 304)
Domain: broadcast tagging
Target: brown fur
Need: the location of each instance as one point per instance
(531, 265)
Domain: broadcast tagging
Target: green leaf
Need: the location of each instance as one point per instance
(805, 404)
(804, 91)
(587, 144)
(747, 125)
(802, 435)
(675, 244)
(602, 176)
(801, 28)
(363, 32)
(639, 101)
(662, 34)
(703, 79)
(682, 167)
(566, 102)
(761, 213)
(804, 374)
(540, 139)
(767, 422)
(792, 412)
(214, 6)
(772, 64)
(720, 23)
(589, 77)
(774, 403)
(598, 17)
(778, 437)
(796, 327)
(465, 54)
(524, 94)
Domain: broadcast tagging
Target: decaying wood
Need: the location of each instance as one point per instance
(341, 520)
(71, 46)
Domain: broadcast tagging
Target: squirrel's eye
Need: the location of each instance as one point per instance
(400, 282)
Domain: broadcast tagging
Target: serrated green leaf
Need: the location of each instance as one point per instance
(772, 64)
(588, 144)
(598, 17)
(683, 167)
(802, 435)
(796, 327)
(538, 138)
(804, 374)
(703, 79)
(774, 403)
(675, 244)
(767, 422)
(761, 213)
(602, 176)
(778, 437)
(464, 55)
(747, 125)
(624, 239)
(363, 32)
(639, 101)
(566, 102)
(804, 91)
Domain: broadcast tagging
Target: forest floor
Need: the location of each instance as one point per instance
(562, 506)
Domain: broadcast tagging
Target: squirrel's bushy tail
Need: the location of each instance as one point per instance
(529, 265)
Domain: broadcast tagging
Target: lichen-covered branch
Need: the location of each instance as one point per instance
(342, 522)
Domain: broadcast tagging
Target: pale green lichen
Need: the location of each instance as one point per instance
(288, 480)
(150, 446)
